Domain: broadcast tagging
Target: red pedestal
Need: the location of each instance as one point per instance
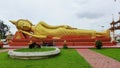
(21, 39)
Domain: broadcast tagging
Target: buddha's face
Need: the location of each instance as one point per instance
(23, 24)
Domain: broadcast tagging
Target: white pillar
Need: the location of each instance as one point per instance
(112, 34)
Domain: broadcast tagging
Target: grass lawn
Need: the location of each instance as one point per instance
(68, 58)
(113, 53)
(34, 49)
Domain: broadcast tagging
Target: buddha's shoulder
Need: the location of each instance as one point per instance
(39, 24)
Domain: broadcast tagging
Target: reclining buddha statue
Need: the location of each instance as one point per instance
(43, 30)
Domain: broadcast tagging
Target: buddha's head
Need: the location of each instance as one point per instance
(22, 24)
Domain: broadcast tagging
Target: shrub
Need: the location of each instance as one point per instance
(98, 44)
(118, 40)
(32, 45)
(65, 46)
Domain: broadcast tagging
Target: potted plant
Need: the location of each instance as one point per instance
(65, 45)
(98, 44)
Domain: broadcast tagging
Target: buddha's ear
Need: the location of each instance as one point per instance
(13, 22)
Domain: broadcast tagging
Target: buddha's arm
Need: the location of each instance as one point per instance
(55, 27)
(37, 36)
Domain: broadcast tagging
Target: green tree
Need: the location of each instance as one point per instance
(3, 29)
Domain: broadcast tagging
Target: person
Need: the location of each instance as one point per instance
(9, 37)
(33, 45)
(43, 30)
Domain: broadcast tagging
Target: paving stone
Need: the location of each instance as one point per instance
(98, 60)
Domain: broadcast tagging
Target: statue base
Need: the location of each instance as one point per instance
(21, 39)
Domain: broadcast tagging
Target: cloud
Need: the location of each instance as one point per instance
(89, 15)
(82, 2)
(94, 9)
(77, 13)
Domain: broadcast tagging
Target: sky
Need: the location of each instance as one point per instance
(82, 14)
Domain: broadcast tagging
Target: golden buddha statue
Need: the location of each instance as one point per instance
(42, 30)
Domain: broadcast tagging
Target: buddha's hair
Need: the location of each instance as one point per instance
(23, 20)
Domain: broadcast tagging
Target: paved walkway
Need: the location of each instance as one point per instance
(4, 50)
(98, 60)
